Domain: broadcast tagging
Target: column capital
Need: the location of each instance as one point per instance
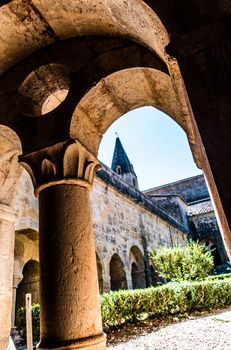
(67, 162)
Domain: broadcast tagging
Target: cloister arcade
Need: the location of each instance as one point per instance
(68, 70)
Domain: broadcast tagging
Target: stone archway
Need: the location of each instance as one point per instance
(62, 168)
(137, 268)
(29, 283)
(117, 273)
(60, 22)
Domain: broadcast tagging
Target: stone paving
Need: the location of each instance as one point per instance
(200, 333)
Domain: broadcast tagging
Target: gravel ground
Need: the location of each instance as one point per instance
(198, 333)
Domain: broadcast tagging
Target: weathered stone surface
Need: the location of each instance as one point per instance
(7, 219)
(70, 309)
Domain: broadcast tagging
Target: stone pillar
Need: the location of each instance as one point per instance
(17, 278)
(69, 292)
(106, 283)
(7, 234)
(129, 279)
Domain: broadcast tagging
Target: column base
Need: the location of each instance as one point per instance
(92, 343)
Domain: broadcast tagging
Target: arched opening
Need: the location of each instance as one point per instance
(29, 283)
(100, 273)
(43, 90)
(155, 277)
(136, 21)
(117, 273)
(210, 246)
(137, 268)
(156, 144)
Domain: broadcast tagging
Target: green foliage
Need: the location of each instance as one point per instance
(131, 305)
(191, 262)
(219, 277)
(21, 322)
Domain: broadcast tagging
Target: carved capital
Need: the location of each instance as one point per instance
(67, 162)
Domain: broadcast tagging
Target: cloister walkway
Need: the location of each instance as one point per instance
(198, 333)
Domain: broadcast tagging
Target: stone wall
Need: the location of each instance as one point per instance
(174, 205)
(205, 229)
(120, 224)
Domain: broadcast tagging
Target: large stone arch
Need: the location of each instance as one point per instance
(125, 18)
(43, 23)
(122, 92)
(29, 26)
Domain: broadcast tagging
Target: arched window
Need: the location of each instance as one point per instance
(118, 170)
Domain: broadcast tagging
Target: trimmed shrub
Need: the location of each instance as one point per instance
(119, 307)
(191, 262)
(172, 298)
(219, 277)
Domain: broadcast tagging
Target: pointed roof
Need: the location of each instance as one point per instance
(120, 158)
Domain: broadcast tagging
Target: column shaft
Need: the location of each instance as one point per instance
(7, 233)
(69, 294)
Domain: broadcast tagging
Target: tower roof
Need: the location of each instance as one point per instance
(120, 159)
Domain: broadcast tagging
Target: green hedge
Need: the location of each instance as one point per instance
(172, 298)
(219, 277)
(131, 305)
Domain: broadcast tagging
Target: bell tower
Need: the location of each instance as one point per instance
(122, 165)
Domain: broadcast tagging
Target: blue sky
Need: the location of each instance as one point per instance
(155, 144)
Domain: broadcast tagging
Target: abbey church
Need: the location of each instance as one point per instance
(127, 224)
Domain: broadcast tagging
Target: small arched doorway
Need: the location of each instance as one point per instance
(117, 273)
(29, 283)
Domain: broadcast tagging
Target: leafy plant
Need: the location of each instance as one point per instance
(21, 322)
(191, 262)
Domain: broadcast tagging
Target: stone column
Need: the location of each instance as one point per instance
(17, 278)
(106, 283)
(7, 234)
(69, 292)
